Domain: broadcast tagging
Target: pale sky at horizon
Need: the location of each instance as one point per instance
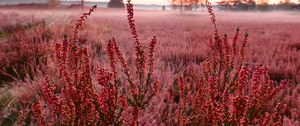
(159, 2)
(165, 2)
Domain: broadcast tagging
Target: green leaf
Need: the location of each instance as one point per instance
(130, 101)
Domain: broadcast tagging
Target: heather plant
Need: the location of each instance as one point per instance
(230, 92)
(23, 60)
(75, 99)
(23, 56)
(15, 102)
(290, 96)
(142, 86)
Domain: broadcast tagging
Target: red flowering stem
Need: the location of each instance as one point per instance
(212, 14)
(75, 51)
(37, 112)
(218, 45)
(242, 51)
(234, 47)
(227, 68)
(79, 23)
(111, 55)
(125, 68)
(151, 59)
(212, 64)
(242, 80)
(226, 52)
(278, 114)
(255, 83)
(58, 57)
(135, 114)
(140, 58)
(49, 95)
(182, 120)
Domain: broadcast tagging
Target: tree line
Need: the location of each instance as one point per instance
(238, 5)
(193, 5)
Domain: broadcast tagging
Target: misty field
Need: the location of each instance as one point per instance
(102, 72)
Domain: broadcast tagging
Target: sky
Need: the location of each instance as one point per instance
(159, 2)
(166, 2)
(162, 2)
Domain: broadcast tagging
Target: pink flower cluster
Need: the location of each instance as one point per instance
(231, 93)
(142, 87)
(75, 99)
(227, 92)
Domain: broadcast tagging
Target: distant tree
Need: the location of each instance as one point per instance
(53, 3)
(82, 3)
(238, 4)
(163, 8)
(115, 4)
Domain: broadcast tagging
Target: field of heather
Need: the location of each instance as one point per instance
(60, 67)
